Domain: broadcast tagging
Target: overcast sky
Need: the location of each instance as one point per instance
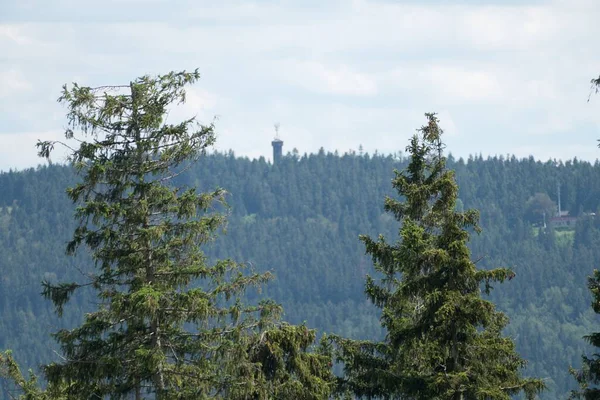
(506, 77)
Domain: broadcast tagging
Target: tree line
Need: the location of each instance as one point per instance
(172, 322)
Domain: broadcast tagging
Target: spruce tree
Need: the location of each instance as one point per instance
(588, 376)
(27, 386)
(443, 340)
(169, 323)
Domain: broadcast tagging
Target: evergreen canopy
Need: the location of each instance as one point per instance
(443, 341)
(588, 376)
(169, 323)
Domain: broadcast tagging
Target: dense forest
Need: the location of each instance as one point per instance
(301, 219)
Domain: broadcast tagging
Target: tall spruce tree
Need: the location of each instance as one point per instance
(169, 324)
(443, 341)
(588, 376)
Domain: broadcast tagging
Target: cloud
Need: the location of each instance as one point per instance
(13, 34)
(456, 84)
(18, 150)
(13, 82)
(498, 28)
(502, 74)
(199, 103)
(448, 124)
(326, 79)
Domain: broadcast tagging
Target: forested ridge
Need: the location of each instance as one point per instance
(301, 219)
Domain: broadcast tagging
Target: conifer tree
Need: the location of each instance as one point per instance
(28, 387)
(169, 324)
(588, 376)
(443, 340)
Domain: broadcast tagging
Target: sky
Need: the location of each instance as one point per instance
(505, 76)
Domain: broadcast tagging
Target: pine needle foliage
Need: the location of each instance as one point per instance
(443, 340)
(588, 376)
(169, 324)
(25, 388)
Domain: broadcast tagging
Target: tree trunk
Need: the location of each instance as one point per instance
(155, 342)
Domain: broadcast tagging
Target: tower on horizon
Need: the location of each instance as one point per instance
(277, 146)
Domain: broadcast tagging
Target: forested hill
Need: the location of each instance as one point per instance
(301, 219)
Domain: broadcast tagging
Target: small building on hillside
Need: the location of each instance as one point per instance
(563, 220)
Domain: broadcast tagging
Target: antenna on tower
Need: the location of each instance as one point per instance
(277, 125)
(558, 190)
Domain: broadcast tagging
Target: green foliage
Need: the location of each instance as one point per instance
(307, 214)
(28, 388)
(443, 341)
(588, 376)
(540, 208)
(290, 370)
(152, 332)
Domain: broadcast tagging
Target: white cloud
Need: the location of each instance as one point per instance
(456, 84)
(448, 124)
(13, 82)
(508, 28)
(335, 74)
(320, 78)
(199, 103)
(18, 150)
(13, 34)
